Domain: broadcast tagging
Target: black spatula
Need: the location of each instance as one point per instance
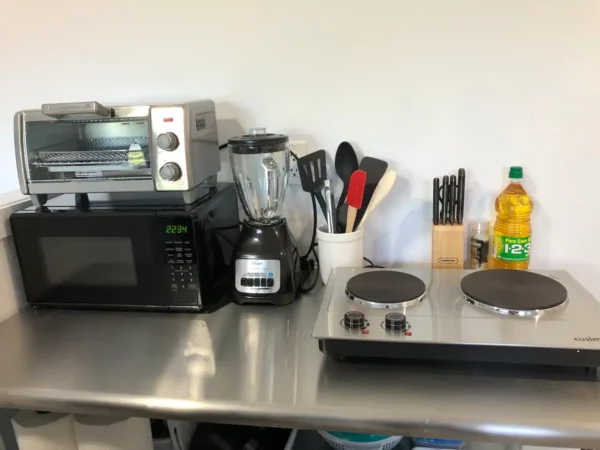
(375, 169)
(313, 173)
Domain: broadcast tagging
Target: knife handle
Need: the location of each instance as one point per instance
(461, 196)
(436, 201)
(445, 199)
(452, 198)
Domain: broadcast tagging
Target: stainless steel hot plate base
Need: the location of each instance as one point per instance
(445, 326)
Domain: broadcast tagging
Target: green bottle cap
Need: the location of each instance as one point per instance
(515, 172)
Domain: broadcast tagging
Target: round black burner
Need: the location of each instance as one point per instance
(385, 289)
(513, 292)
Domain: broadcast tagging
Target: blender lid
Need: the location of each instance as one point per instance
(257, 141)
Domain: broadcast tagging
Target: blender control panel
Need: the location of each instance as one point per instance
(257, 276)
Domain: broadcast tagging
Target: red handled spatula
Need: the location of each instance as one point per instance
(356, 190)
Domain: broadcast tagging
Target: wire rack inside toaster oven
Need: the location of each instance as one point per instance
(96, 151)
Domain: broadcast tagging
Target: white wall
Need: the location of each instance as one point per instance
(429, 85)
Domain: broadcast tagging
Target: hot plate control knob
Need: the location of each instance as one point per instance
(354, 320)
(170, 172)
(395, 322)
(167, 141)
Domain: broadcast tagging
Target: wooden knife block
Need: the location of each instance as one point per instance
(448, 247)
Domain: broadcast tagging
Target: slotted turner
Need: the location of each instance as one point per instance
(313, 173)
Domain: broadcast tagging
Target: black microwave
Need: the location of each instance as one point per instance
(151, 257)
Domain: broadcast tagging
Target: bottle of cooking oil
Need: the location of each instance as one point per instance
(511, 244)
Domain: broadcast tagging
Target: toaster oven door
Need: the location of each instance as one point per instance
(102, 260)
(82, 147)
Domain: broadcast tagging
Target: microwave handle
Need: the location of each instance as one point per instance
(58, 110)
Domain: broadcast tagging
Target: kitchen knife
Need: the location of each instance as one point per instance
(452, 199)
(461, 196)
(445, 189)
(436, 201)
(354, 199)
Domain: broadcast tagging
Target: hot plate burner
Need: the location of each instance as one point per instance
(513, 292)
(385, 289)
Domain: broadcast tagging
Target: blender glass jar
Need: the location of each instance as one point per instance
(260, 163)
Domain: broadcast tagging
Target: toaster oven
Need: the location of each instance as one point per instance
(80, 148)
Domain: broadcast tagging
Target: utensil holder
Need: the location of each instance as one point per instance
(448, 247)
(339, 250)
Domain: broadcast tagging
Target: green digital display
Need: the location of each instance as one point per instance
(176, 229)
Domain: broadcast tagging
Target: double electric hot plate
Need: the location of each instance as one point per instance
(507, 316)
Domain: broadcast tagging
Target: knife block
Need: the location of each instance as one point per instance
(448, 247)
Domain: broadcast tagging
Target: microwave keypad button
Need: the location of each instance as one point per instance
(170, 172)
(167, 141)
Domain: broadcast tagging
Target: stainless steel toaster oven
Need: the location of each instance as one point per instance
(72, 148)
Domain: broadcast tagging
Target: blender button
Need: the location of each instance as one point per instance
(257, 282)
(270, 282)
(263, 282)
(243, 282)
(250, 282)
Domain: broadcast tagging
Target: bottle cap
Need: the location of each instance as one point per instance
(515, 172)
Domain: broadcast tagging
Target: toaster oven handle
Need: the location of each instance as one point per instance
(58, 110)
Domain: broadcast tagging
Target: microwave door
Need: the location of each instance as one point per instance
(95, 260)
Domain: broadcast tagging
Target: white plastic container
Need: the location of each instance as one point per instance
(339, 250)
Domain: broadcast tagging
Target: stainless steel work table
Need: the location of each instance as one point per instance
(260, 365)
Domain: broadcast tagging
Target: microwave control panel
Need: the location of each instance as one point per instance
(180, 256)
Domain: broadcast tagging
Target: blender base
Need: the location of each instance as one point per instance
(267, 265)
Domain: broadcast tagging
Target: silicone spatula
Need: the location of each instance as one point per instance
(356, 190)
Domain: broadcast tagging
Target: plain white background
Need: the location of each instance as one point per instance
(428, 85)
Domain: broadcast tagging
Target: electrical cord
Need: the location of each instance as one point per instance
(371, 265)
(221, 147)
(311, 249)
(305, 262)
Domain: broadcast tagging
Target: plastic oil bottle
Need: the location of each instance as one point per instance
(511, 243)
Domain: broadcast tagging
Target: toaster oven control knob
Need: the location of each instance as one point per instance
(395, 322)
(354, 320)
(167, 141)
(170, 172)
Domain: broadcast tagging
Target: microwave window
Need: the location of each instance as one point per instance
(88, 261)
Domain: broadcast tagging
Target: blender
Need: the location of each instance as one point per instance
(267, 263)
